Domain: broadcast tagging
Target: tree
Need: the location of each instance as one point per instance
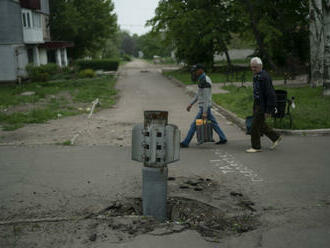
(128, 43)
(201, 28)
(197, 28)
(280, 29)
(320, 44)
(87, 23)
(153, 44)
(111, 48)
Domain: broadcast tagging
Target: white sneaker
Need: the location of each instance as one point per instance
(276, 143)
(252, 150)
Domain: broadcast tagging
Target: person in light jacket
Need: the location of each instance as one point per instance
(204, 99)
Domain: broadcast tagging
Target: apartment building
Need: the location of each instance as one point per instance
(25, 38)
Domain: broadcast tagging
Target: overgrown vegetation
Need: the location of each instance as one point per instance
(52, 100)
(98, 64)
(42, 73)
(87, 73)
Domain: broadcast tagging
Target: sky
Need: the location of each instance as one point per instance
(133, 14)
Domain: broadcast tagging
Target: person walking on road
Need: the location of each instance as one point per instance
(204, 98)
(263, 106)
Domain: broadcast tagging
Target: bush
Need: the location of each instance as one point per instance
(66, 69)
(87, 73)
(41, 73)
(50, 68)
(98, 64)
(126, 57)
(42, 77)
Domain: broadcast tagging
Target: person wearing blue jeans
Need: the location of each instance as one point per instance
(204, 98)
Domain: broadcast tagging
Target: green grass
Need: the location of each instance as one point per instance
(219, 76)
(312, 109)
(65, 143)
(49, 101)
(239, 100)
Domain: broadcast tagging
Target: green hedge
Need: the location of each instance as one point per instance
(42, 72)
(98, 64)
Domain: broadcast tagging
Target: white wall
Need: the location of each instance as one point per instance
(8, 63)
(22, 60)
(13, 60)
(43, 56)
(235, 54)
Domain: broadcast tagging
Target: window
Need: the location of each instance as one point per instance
(30, 55)
(36, 20)
(28, 20)
(24, 19)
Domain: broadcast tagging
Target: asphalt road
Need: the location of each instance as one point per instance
(289, 186)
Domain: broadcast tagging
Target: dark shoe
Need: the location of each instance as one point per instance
(183, 145)
(221, 142)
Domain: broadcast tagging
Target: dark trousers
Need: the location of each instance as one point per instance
(260, 127)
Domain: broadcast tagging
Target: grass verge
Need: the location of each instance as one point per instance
(219, 75)
(51, 100)
(312, 109)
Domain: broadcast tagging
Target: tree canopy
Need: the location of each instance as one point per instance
(153, 44)
(200, 28)
(280, 29)
(87, 23)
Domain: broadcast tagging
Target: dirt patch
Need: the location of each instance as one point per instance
(184, 213)
(122, 220)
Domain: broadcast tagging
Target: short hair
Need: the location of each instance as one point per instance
(256, 60)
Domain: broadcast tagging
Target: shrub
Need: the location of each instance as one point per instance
(50, 68)
(42, 77)
(41, 73)
(126, 57)
(98, 64)
(87, 73)
(66, 69)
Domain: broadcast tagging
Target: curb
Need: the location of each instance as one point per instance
(241, 123)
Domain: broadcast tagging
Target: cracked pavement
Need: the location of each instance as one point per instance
(289, 187)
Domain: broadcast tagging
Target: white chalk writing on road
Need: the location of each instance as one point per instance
(227, 164)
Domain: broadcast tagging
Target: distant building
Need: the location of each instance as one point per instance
(235, 54)
(25, 38)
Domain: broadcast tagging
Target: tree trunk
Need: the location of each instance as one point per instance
(316, 42)
(225, 50)
(326, 63)
(258, 36)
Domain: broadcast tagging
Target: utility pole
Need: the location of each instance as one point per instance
(320, 44)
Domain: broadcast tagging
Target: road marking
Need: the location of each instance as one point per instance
(226, 163)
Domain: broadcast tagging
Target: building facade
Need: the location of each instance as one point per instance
(25, 38)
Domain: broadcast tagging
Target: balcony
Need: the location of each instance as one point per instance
(32, 27)
(31, 4)
(33, 35)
